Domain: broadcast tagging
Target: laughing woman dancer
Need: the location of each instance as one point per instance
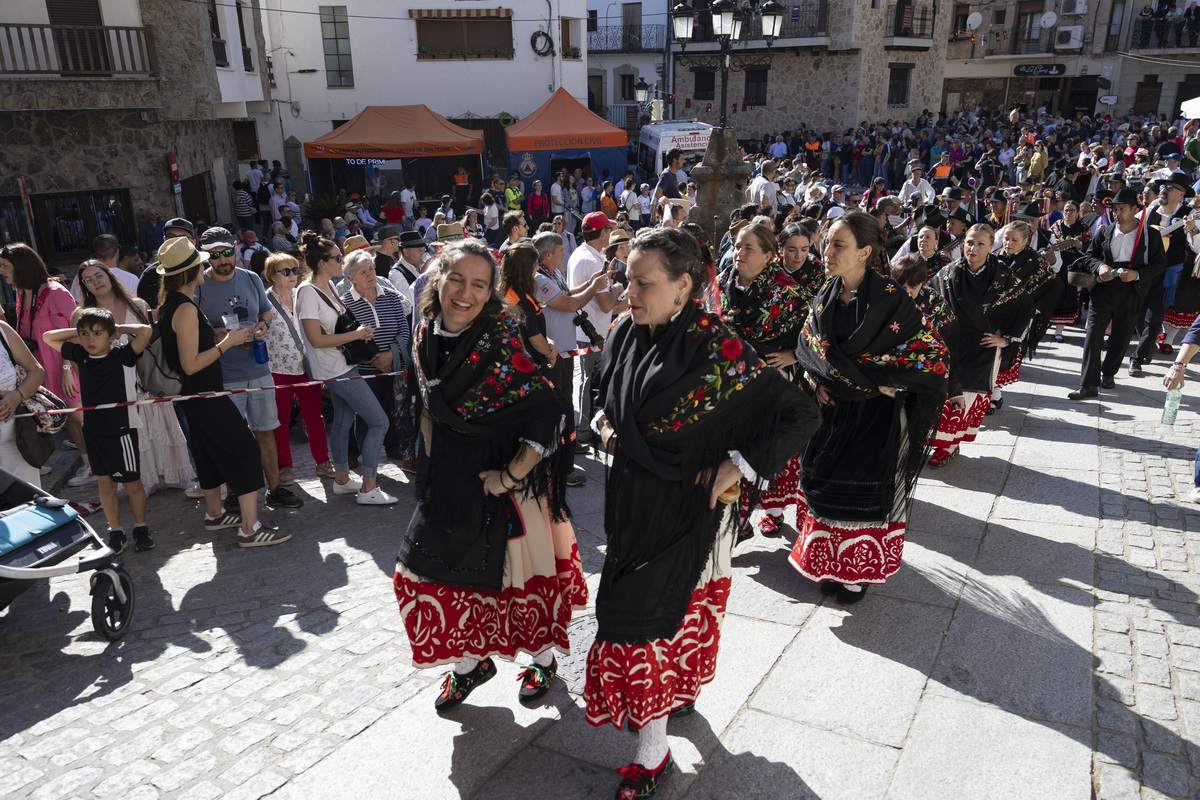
(488, 566)
(879, 371)
(688, 409)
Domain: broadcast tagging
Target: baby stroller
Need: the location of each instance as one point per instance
(38, 536)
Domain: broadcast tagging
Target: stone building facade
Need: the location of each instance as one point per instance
(836, 63)
(1071, 56)
(93, 148)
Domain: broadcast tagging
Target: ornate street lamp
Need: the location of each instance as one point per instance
(728, 18)
(641, 89)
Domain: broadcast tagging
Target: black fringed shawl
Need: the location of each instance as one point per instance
(863, 463)
(1038, 280)
(679, 401)
(486, 398)
(992, 301)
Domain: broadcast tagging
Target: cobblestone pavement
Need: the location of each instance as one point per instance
(1041, 640)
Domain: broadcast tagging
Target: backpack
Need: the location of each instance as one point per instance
(264, 193)
(154, 375)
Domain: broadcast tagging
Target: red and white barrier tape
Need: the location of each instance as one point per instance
(581, 351)
(204, 395)
(230, 392)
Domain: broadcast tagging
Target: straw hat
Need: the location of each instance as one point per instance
(177, 255)
(448, 232)
(354, 243)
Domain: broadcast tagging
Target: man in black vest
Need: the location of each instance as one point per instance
(1127, 260)
(1167, 209)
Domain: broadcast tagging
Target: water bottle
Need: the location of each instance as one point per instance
(1171, 407)
(260, 357)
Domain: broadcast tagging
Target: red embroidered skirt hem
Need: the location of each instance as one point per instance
(642, 682)
(543, 584)
(1012, 374)
(848, 552)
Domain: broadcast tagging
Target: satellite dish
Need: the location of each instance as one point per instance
(974, 21)
(1103, 83)
(1048, 19)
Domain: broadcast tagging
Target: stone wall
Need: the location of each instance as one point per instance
(800, 89)
(831, 88)
(88, 151)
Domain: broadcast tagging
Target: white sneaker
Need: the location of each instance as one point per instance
(349, 487)
(375, 497)
(193, 490)
(1195, 496)
(44, 471)
(83, 477)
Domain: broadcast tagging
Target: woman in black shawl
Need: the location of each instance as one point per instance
(879, 371)
(1071, 228)
(766, 308)
(688, 409)
(993, 311)
(488, 565)
(1031, 268)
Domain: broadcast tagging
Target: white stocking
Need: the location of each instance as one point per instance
(545, 659)
(997, 394)
(465, 666)
(652, 743)
(1058, 330)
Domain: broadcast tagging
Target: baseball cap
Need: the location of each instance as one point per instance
(215, 238)
(837, 187)
(181, 224)
(596, 221)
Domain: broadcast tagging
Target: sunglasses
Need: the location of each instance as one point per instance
(289, 271)
(226, 253)
(89, 281)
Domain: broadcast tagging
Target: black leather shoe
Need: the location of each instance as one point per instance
(1135, 371)
(846, 597)
(1083, 393)
(535, 681)
(1107, 382)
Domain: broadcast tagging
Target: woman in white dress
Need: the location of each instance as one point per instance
(161, 444)
(12, 394)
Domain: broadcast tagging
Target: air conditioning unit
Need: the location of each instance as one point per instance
(1068, 37)
(1074, 7)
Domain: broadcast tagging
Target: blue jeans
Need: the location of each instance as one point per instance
(350, 398)
(827, 168)
(881, 171)
(866, 171)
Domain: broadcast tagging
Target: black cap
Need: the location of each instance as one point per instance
(961, 215)
(179, 223)
(1071, 170)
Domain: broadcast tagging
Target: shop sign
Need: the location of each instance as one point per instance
(1039, 70)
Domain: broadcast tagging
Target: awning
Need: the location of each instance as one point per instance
(396, 132)
(459, 13)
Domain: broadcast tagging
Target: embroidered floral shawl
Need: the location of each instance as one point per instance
(486, 399)
(768, 313)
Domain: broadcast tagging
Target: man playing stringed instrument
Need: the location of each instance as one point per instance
(1166, 215)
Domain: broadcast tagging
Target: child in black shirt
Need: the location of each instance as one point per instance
(106, 375)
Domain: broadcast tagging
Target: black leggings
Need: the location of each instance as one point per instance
(224, 448)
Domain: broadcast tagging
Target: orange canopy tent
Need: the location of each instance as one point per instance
(396, 132)
(562, 132)
(563, 123)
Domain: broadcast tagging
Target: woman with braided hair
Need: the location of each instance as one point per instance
(687, 410)
(879, 371)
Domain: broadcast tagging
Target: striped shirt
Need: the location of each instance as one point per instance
(242, 204)
(388, 315)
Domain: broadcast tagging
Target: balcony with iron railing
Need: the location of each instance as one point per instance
(247, 59)
(627, 39)
(803, 20)
(1005, 43)
(909, 27)
(76, 51)
(1163, 34)
(220, 52)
